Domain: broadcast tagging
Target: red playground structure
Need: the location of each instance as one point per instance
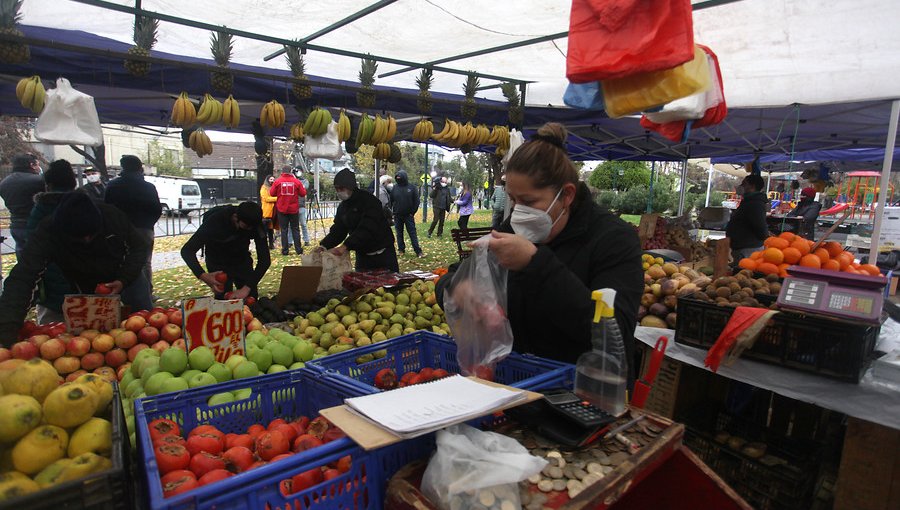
(859, 193)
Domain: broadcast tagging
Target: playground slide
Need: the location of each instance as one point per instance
(775, 204)
(834, 210)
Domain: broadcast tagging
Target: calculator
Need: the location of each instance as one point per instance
(577, 409)
(563, 417)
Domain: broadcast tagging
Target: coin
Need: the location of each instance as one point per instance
(607, 470)
(486, 497)
(591, 479)
(535, 478)
(555, 472)
(580, 474)
(545, 486)
(559, 485)
(507, 505)
(594, 467)
(573, 484)
(618, 458)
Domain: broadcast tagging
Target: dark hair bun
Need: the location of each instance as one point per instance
(555, 131)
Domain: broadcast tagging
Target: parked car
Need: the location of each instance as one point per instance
(176, 195)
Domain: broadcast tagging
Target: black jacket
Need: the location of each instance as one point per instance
(747, 227)
(404, 197)
(360, 224)
(18, 190)
(227, 247)
(97, 192)
(136, 197)
(117, 253)
(808, 209)
(549, 302)
(440, 196)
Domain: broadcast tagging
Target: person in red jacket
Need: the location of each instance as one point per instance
(287, 191)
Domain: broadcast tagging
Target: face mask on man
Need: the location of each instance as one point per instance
(533, 224)
(92, 178)
(343, 195)
(389, 186)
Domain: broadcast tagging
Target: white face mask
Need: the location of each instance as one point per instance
(533, 224)
(389, 186)
(92, 178)
(344, 195)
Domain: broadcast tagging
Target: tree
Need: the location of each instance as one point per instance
(364, 164)
(413, 161)
(14, 138)
(620, 175)
(477, 164)
(166, 161)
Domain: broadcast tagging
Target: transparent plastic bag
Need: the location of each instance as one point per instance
(69, 117)
(472, 468)
(333, 268)
(325, 146)
(475, 308)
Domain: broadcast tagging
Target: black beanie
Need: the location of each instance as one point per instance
(345, 179)
(77, 216)
(59, 176)
(250, 213)
(131, 164)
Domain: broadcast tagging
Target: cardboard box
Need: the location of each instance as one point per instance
(890, 229)
(869, 477)
(298, 283)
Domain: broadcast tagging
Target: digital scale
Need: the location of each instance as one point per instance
(843, 295)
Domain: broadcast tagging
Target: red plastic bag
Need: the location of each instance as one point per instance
(740, 333)
(617, 38)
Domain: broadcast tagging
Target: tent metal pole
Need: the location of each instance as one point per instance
(682, 192)
(650, 194)
(709, 174)
(425, 182)
(885, 180)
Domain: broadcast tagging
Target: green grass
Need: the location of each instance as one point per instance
(634, 219)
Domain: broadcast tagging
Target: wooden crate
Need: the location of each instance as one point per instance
(869, 476)
(663, 394)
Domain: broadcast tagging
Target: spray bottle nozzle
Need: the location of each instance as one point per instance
(604, 299)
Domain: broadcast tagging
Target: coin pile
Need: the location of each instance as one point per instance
(498, 497)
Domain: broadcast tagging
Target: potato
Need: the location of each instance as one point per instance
(723, 292)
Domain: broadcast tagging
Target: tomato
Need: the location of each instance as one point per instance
(289, 433)
(257, 464)
(206, 429)
(331, 474)
(209, 443)
(102, 288)
(238, 459)
(204, 462)
(426, 373)
(307, 479)
(300, 425)
(281, 457)
(239, 440)
(318, 426)
(170, 457)
(271, 444)
(484, 372)
(416, 379)
(286, 487)
(221, 277)
(255, 430)
(213, 476)
(407, 376)
(332, 434)
(306, 442)
(276, 422)
(178, 440)
(178, 481)
(439, 373)
(163, 427)
(386, 379)
(343, 464)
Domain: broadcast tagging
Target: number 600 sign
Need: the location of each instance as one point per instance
(216, 324)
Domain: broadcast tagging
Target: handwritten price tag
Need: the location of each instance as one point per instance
(89, 311)
(216, 324)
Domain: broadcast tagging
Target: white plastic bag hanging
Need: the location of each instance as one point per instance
(515, 140)
(326, 146)
(693, 106)
(69, 117)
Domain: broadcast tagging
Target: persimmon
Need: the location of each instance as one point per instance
(747, 263)
(801, 245)
(788, 236)
(871, 269)
(791, 255)
(823, 255)
(757, 255)
(773, 255)
(845, 258)
(811, 260)
(833, 248)
(767, 268)
(776, 242)
(832, 265)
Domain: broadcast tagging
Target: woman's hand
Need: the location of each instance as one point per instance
(339, 250)
(210, 280)
(513, 252)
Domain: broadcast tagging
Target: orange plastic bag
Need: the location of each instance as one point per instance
(617, 38)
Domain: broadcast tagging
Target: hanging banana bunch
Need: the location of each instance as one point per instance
(423, 131)
(210, 111)
(317, 122)
(343, 127)
(448, 133)
(297, 132)
(272, 115)
(231, 113)
(382, 151)
(184, 114)
(200, 143)
(365, 131)
(31, 94)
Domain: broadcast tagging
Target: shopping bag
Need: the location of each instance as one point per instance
(325, 146)
(475, 309)
(515, 141)
(584, 96)
(333, 268)
(69, 118)
(472, 467)
(617, 38)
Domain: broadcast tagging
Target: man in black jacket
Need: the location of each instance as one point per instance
(139, 200)
(18, 190)
(440, 200)
(226, 233)
(91, 244)
(405, 199)
(808, 209)
(747, 229)
(360, 225)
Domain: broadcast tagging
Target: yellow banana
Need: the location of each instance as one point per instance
(380, 130)
(40, 95)
(231, 114)
(279, 114)
(440, 136)
(343, 127)
(392, 127)
(20, 87)
(28, 94)
(205, 112)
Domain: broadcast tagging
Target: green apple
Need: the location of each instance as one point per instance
(290, 341)
(134, 387)
(201, 358)
(220, 372)
(149, 372)
(262, 358)
(245, 369)
(189, 373)
(275, 369)
(220, 398)
(139, 360)
(174, 361)
(127, 407)
(281, 354)
(129, 422)
(254, 337)
(234, 360)
(242, 393)
(303, 351)
(127, 377)
(295, 366)
(154, 383)
(320, 355)
(175, 384)
(201, 379)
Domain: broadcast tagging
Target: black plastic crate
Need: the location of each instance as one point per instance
(107, 490)
(831, 348)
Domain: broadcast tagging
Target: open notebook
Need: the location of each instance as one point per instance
(416, 410)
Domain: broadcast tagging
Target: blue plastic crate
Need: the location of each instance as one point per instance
(287, 395)
(425, 349)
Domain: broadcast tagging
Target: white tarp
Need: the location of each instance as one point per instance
(772, 52)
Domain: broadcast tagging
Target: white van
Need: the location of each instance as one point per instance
(176, 195)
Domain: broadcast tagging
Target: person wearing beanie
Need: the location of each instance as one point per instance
(808, 209)
(359, 225)
(747, 229)
(288, 192)
(18, 190)
(139, 200)
(94, 187)
(225, 234)
(91, 244)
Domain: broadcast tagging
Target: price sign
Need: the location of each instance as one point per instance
(217, 324)
(89, 311)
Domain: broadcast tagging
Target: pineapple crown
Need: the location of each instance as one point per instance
(221, 45)
(511, 93)
(367, 72)
(425, 79)
(295, 60)
(145, 32)
(471, 86)
(10, 12)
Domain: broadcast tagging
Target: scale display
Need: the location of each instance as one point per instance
(830, 293)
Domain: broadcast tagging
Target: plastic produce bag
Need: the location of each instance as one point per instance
(617, 38)
(69, 117)
(584, 96)
(472, 468)
(475, 308)
(333, 268)
(326, 146)
(515, 140)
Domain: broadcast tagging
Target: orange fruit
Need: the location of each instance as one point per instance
(845, 258)
(757, 255)
(822, 253)
(776, 242)
(788, 236)
(773, 255)
(811, 261)
(832, 265)
(833, 248)
(871, 269)
(791, 255)
(767, 268)
(801, 245)
(747, 263)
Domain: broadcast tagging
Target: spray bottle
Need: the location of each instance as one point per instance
(601, 374)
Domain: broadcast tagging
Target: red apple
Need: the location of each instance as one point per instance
(38, 340)
(157, 319)
(248, 315)
(92, 360)
(148, 335)
(132, 352)
(179, 343)
(121, 370)
(78, 346)
(141, 313)
(24, 350)
(103, 343)
(160, 346)
(135, 323)
(125, 339)
(52, 349)
(170, 332)
(90, 334)
(115, 332)
(175, 317)
(5, 354)
(107, 373)
(75, 375)
(254, 325)
(68, 364)
(116, 357)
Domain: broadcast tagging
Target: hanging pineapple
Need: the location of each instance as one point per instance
(366, 97)
(144, 39)
(221, 46)
(301, 87)
(511, 93)
(424, 81)
(12, 52)
(469, 108)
